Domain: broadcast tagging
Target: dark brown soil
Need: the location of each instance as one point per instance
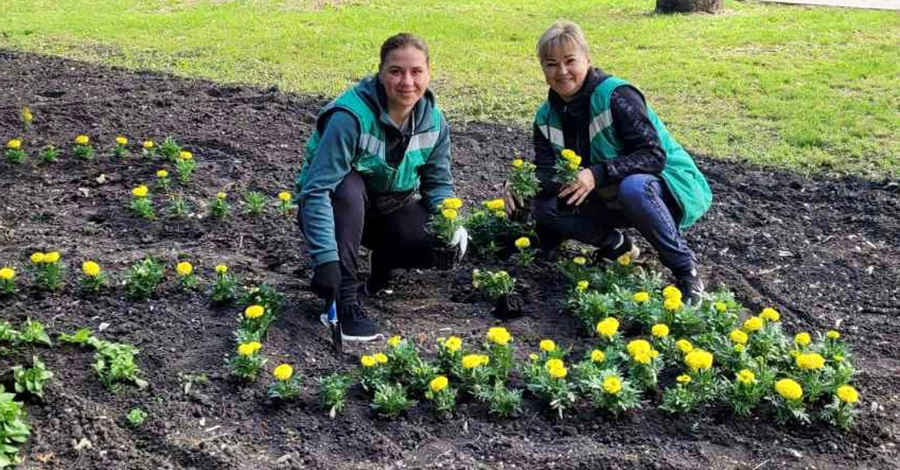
(824, 251)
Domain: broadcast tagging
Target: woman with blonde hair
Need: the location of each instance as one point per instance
(635, 173)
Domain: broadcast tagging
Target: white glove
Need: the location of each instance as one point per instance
(460, 239)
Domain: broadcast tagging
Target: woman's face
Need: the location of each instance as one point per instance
(565, 69)
(405, 76)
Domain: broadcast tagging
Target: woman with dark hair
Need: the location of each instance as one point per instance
(376, 168)
(635, 173)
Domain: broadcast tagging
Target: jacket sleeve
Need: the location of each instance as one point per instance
(328, 168)
(642, 150)
(435, 178)
(545, 161)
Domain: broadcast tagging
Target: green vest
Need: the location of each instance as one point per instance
(369, 158)
(681, 175)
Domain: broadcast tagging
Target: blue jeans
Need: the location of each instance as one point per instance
(641, 201)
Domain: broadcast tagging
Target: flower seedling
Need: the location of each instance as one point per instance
(121, 148)
(136, 417)
(568, 164)
(333, 392)
(254, 203)
(94, 278)
(48, 270)
(287, 383)
(143, 278)
(14, 152)
(32, 379)
(185, 166)
(220, 207)
(7, 281)
(83, 148)
(48, 154)
(141, 203)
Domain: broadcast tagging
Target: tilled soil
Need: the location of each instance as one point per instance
(822, 250)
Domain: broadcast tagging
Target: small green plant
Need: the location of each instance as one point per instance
(7, 281)
(747, 389)
(224, 289)
(48, 154)
(168, 149)
(32, 379)
(220, 208)
(143, 278)
(842, 410)
(81, 337)
(15, 430)
(248, 361)
(33, 332)
(441, 395)
(523, 182)
(185, 166)
(502, 401)
(265, 295)
(526, 254)
(178, 207)
(186, 276)
(83, 148)
(285, 203)
(548, 381)
(333, 390)
(287, 383)
(444, 224)
(94, 278)
(114, 364)
(121, 148)
(162, 180)
(14, 152)
(191, 381)
(48, 270)
(141, 203)
(148, 149)
(254, 203)
(610, 392)
(390, 400)
(136, 417)
(493, 284)
(374, 372)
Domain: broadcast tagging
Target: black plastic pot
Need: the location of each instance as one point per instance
(445, 258)
(509, 306)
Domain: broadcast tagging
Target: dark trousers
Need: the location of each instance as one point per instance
(397, 239)
(641, 201)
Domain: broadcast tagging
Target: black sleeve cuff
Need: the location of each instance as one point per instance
(599, 171)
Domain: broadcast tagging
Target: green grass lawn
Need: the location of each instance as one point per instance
(804, 88)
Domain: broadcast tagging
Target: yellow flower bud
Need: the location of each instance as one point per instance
(832, 335)
(140, 191)
(254, 311)
(671, 292)
(683, 379)
(624, 260)
(283, 372)
(523, 242)
(162, 174)
(120, 140)
(598, 356)
(221, 195)
(684, 346)
(640, 297)
(789, 389)
(7, 273)
(746, 377)
(721, 307)
(451, 203)
(672, 304)
(608, 327)
(847, 394)
(90, 269)
(753, 324)
(185, 155)
(221, 269)
(148, 144)
(284, 196)
(547, 345)
(517, 163)
(37, 257)
(51, 257)
(802, 339)
(579, 260)
(558, 372)
(14, 144)
(438, 383)
(381, 358)
(82, 139)
(612, 385)
(450, 214)
(582, 286)
(453, 344)
(394, 341)
(738, 337)
(367, 361)
(184, 269)
(770, 314)
(660, 330)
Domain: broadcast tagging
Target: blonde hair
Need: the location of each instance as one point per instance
(562, 34)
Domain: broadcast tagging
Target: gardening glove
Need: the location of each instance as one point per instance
(326, 281)
(461, 240)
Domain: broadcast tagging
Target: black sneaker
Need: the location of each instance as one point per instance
(691, 287)
(354, 325)
(611, 253)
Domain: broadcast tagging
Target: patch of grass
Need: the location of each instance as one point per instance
(804, 88)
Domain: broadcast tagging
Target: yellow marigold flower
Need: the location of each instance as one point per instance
(246, 349)
(221, 268)
(640, 297)
(449, 214)
(671, 292)
(567, 154)
(517, 163)
(26, 114)
(471, 361)
(185, 155)
(381, 358)
(14, 144)
(847, 394)
(746, 377)
(739, 348)
(574, 163)
(553, 363)
(498, 335)
(612, 385)
(501, 214)
(284, 196)
(789, 389)
(608, 327)
(495, 204)
(683, 379)
(121, 140)
(51, 257)
(162, 174)
(653, 354)
(221, 195)
(254, 311)
(367, 361)
(148, 144)
(699, 359)
(753, 324)
(582, 286)
(721, 307)
(660, 330)
(438, 383)
(770, 314)
(37, 257)
(598, 356)
(7, 273)
(283, 372)
(82, 139)
(453, 344)
(184, 268)
(140, 191)
(672, 304)
(579, 260)
(738, 337)
(90, 269)
(644, 358)
(547, 345)
(523, 243)
(684, 346)
(393, 341)
(558, 372)
(811, 361)
(832, 334)
(638, 346)
(624, 260)
(451, 203)
(802, 339)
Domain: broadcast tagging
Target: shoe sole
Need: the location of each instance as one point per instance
(634, 254)
(354, 339)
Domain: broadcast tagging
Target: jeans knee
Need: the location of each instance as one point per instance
(634, 190)
(350, 194)
(544, 211)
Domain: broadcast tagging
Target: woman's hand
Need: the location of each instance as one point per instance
(510, 200)
(579, 190)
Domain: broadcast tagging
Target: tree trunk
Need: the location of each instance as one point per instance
(688, 6)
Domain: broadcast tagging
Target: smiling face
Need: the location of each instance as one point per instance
(405, 76)
(565, 68)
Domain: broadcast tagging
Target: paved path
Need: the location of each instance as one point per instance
(868, 4)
